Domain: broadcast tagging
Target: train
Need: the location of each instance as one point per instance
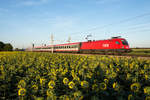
(114, 44)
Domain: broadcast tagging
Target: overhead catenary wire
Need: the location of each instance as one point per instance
(119, 22)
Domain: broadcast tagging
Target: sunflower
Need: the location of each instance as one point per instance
(71, 85)
(65, 81)
(147, 90)
(22, 92)
(128, 76)
(22, 84)
(51, 84)
(135, 87)
(64, 97)
(116, 86)
(76, 78)
(106, 81)
(146, 77)
(35, 87)
(147, 98)
(49, 92)
(117, 69)
(130, 97)
(103, 86)
(77, 94)
(107, 71)
(84, 84)
(95, 87)
(42, 81)
(113, 75)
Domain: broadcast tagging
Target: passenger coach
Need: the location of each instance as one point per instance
(115, 44)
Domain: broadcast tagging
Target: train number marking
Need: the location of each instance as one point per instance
(105, 45)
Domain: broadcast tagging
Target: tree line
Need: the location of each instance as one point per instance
(5, 46)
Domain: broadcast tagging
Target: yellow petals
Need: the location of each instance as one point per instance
(22, 84)
(116, 86)
(65, 81)
(22, 92)
(71, 85)
(147, 90)
(135, 87)
(130, 97)
(147, 98)
(103, 86)
(51, 84)
(84, 84)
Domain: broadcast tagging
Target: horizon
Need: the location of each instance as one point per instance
(24, 22)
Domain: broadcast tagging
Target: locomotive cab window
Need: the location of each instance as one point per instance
(124, 42)
(117, 42)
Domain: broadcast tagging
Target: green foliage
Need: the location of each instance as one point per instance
(8, 47)
(141, 51)
(1, 46)
(5, 47)
(45, 76)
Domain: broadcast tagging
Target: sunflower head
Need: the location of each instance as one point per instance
(130, 97)
(71, 85)
(51, 84)
(147, 77)
(106, 81)
(22, 92)
(49, 92)
(42, 81)
(64, 97)
(147, 90)
(22, 84)
(77, 94)
(147, 98)
(117, 69)
(65, 81)
(116, 86)
(135, 87)
(95, 87)
(35, 87)
(103, 86)
(84, 84)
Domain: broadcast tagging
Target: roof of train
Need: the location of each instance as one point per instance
(115, 39)
(58, 45)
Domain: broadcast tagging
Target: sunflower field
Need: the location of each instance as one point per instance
(46, 76)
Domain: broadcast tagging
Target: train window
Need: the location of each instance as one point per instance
(117, 42)
(124, 42)
(75, 46)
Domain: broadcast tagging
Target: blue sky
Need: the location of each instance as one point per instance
(23, 22)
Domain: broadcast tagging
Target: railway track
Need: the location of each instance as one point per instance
(118, 55)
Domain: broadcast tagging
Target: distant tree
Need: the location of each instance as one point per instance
(1, 46)
(8, 47)
(16, 49)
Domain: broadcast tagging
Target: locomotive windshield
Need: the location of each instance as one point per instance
(124, 42)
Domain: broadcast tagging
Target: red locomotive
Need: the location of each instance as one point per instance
(115, 44)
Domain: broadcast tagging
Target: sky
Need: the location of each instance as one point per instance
(23, 22)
